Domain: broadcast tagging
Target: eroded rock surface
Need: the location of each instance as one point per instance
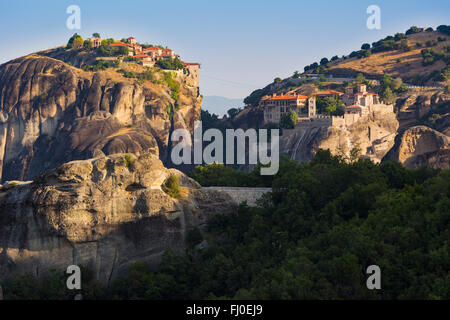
(374, 136)
(419, 146)
(105, 213)
(52, 113)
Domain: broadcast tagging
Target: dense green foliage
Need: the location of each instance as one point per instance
(98, 65)
(444, 29)
(430, 56)
(413, 30)
(106, 50)
(217, 174)
(312, 238)
(75, 42)
(127, 74)
(254, 98)
(330, 106)
(288, 120)
(170, 64)
(169, 79)
(390, 87)
(233, 112)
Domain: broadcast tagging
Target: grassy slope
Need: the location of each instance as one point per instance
(387, 62)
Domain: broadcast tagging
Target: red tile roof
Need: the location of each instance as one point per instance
(120, 44)
(328, 92)
(141, 56)
(153, 48)
(286, 97)
(190, 63)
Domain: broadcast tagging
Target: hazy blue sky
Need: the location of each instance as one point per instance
(241, 44)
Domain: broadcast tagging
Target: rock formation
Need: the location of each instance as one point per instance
(52, 113)
(419, 146)
(105, 213)
(374, 136)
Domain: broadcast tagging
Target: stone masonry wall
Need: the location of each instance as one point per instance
(240, 194)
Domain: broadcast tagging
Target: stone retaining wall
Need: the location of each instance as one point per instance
(240, 194)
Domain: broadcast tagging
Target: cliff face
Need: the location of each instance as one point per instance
(105, 213)
(419, 146)
(418, 103)
(374, 136)
(52, 113)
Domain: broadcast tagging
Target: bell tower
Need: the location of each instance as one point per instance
(312, 107)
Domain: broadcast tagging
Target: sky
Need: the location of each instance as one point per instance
(242, 45)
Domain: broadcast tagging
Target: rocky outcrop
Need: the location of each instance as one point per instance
(374, 136)
(52, 113)
(419, 146)
(415, 104)
(105, 213)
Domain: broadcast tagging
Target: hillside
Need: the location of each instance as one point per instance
(405, 62)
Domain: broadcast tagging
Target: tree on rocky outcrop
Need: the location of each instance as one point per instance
(172, 186)
(388, 96)
(288, 120)
(76, 42)
(365, 46)
(96, 35)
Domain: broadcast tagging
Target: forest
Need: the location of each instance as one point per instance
(313, 237)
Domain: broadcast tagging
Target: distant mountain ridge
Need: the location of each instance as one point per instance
(219, 105)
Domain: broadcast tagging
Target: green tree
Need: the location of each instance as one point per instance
(76, 42)
(170, 64)
(323, 61)
(413, 30)
(172, 186)
(360, 78)
(87, 45)
(96, 35)
(233, 112)
(397, 84)
(124, 51)
(399, 36)
(288, 120)
(388, 96)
